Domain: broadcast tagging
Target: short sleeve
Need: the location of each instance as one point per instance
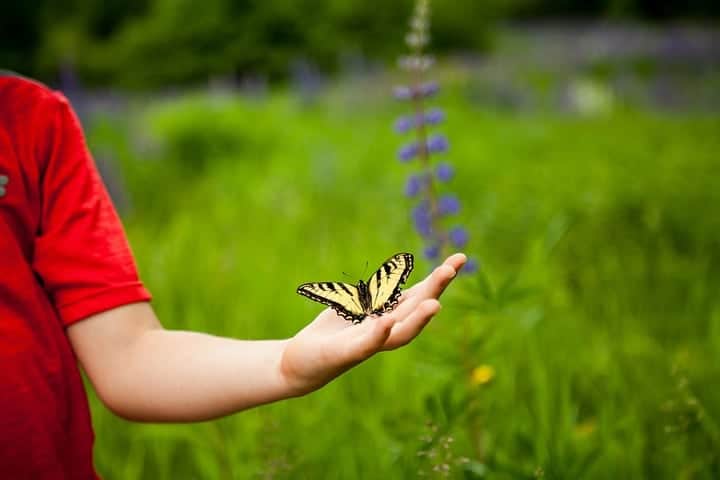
(81, 252)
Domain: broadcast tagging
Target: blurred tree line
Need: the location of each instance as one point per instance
(150, 43)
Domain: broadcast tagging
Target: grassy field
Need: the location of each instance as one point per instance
(587, 347)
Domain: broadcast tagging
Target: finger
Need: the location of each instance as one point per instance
(438, 281)
(372, 340)
(454, 263)
(407, 302)
(432, 287)
(445, 273)
(403, 332)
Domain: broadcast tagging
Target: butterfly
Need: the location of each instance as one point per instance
(380, 294)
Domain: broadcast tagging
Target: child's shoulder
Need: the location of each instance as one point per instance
(24, 93)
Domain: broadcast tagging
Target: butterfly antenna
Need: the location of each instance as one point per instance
(365, 269)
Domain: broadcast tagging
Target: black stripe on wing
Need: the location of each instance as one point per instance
(394, 272)
(409, 264)
(391, 302)
(306, 290)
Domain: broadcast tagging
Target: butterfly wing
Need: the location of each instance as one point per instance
(341, 297)
(384, 285)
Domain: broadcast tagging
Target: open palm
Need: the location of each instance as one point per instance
(330, 345)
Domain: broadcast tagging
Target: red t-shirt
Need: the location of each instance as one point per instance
(63, 257)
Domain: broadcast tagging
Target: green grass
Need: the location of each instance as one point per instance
(597, 307)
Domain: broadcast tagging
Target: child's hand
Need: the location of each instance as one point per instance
(331, 345)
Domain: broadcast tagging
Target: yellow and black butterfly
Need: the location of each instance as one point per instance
(378, 295)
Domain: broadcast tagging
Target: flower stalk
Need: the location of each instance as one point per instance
(430, 212)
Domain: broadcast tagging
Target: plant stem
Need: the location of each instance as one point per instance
(424, 154)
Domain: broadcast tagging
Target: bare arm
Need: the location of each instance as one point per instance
(144, 372)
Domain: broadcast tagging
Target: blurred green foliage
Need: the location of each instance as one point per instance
(597, 308)
(151, 43)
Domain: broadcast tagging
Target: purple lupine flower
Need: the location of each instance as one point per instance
(413, 185)
(471, 266)
(416, 63)
(458, 236)
(429, 89)
(409, 62)
(427, 214)
(408, 152)
(402, 92)
(426, 90)
(432, 251)
(448, 205)
(422, 219)
(444, 172)
(437, 144)
(403, 124)
(434, 116)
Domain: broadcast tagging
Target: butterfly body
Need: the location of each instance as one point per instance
(380, 294)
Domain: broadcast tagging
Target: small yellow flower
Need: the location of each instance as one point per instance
(585, 428)
(482, 374)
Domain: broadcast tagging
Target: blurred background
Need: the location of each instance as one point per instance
(249, 147)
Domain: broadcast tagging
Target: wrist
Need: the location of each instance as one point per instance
(292, 385)
(296, 374)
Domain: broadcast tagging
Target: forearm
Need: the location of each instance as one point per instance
(184, 376)
(144, 372)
